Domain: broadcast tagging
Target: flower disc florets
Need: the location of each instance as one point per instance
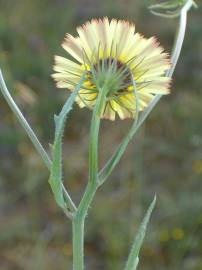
(111, 73)
(112, 54)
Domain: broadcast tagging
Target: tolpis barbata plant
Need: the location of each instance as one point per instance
(115, 72)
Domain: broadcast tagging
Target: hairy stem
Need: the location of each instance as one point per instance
(79, 218)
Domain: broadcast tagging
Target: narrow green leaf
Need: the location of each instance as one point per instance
(55, 179)
(133, 256)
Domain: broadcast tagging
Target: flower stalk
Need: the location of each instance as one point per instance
(79, 218)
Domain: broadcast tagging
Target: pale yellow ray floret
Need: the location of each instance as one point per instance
(103, 45)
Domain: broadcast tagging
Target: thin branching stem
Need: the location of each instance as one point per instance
(113, 161)
(38, 146)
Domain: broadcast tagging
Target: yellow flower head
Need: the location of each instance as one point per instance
(112, 54)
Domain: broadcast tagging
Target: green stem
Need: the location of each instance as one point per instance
(78, 227)
(38, 146)
(110, 165)
(13, 106)
(79, 218)
(78, 244)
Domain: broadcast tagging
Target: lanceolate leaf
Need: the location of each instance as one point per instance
(133, 256)
(55, 179)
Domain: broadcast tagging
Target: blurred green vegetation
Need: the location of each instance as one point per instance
(165, 158)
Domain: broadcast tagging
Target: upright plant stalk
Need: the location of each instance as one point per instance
(79, 218)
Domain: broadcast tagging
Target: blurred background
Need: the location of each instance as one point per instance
(165, 157)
